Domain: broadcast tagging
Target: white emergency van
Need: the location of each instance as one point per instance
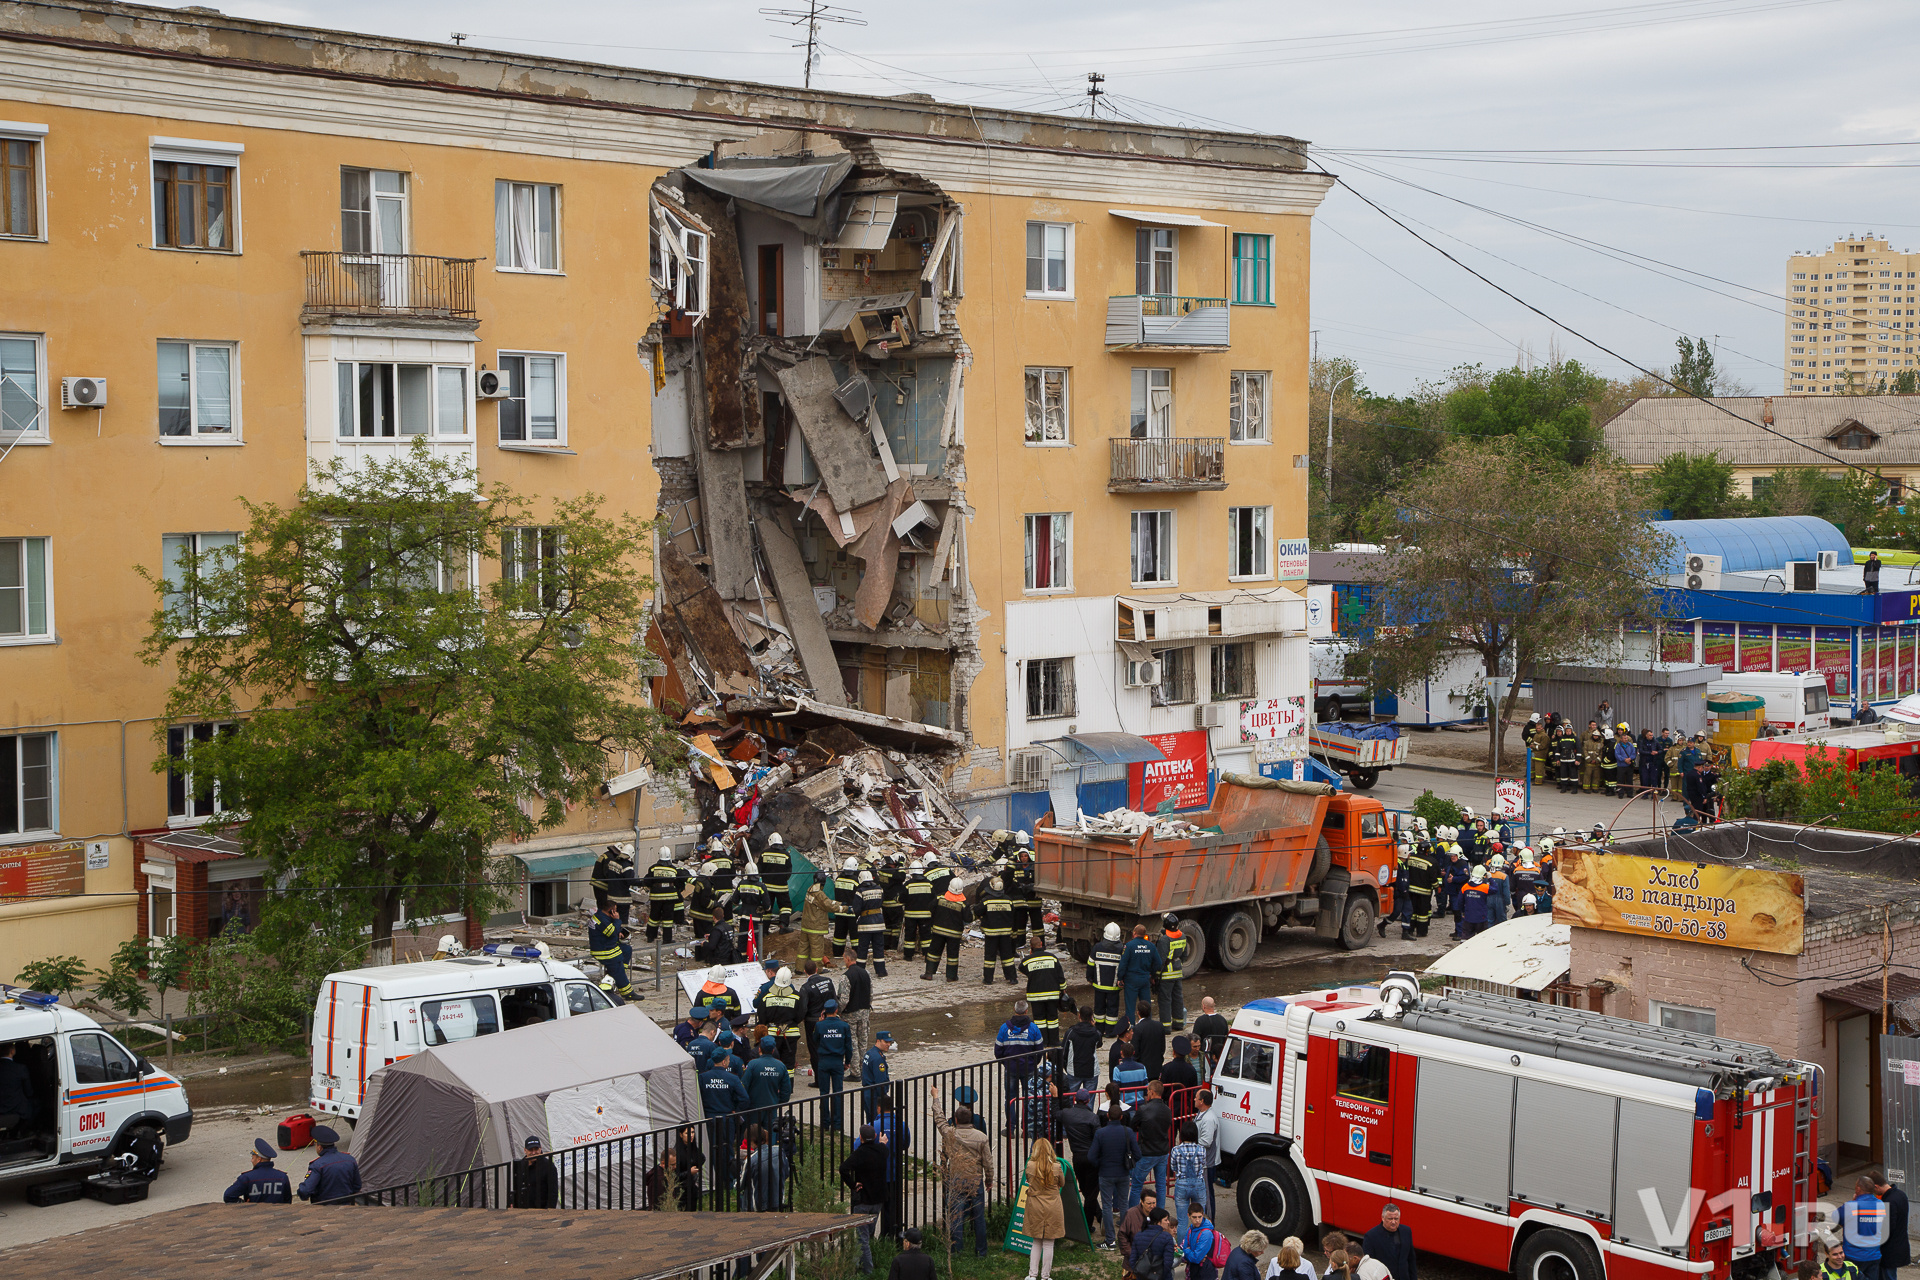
(1796, 700)
(365, 1019)
(76, 1096)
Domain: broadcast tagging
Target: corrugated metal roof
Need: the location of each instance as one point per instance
(1526, 953)
(1651, 428)
(1760, 542)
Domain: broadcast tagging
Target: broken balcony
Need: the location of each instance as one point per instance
(1163, 464)
(390, 286)
(1167, 322)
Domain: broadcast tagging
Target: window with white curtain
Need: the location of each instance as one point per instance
(1047, 406)
(186, 559)
(1153, 551)
(1247, 406)
(1151, 412)
(197, 391)
(389, 401)
(526, 226)
(535, 410)
(1247, 540)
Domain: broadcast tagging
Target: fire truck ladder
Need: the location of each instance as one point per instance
(1806, 1176)
(1578, 1035)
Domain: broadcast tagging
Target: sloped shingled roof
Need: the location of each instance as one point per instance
(1651, 428)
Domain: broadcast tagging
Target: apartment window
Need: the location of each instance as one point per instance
(687, 284)
(1681, 1017)
(1232, 671)
(389, 401)
(373, 211)
(531, 565)
(26, 784)
(1154, 260)
(536, 411)
(1050, 259)
(193, 205)
(1049, 552)
(21, 405)
(1050, 688)
(1176, 677)
(1247, 406)
(1247, 539)
(20, 183)
(1152, 408)
(191, 799)
(186, 559)
(1153, 550)
(26, 611)
(1047, 406)
(1253, 270)
(526, 226)
(196, 390)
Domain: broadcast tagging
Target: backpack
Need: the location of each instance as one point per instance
(1221, 1248)
(1151, 1267)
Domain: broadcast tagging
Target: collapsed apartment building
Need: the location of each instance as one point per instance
(808, 436)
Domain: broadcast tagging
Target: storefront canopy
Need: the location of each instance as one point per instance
(550, 862)
(1527, 953)
(1103, 748)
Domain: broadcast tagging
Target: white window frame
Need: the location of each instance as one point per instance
(36, 136)
(38, 433)
(190, 818)
(194, 435)
(1042, 372)
(29, 834)
(347, 401)
(1262, 517)
(1066, 230)
(1655, 1008)
(1060, 548)
(506, 253)
(1237, 383)
(518, 395)
(1142, 390)
(376, 198)
(219, 155)
(1168, 547)
(513, 562)
(1145, 234)
(696, 247)
(194, 544)
(51, 630)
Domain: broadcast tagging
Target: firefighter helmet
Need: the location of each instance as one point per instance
(1171, 921)
(1478, 875)
(1112, 932)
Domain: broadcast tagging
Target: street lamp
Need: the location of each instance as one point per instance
(1331, 391)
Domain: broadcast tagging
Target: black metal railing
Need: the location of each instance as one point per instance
(1166, 462)
(388, 284)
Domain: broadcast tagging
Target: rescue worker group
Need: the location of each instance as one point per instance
(1466, 872)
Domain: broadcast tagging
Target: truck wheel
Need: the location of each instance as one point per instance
(1333, 710)
(1356, 929)
(1273, 1199)
(1235, 936)
(1082, 950)
(1556, 1255)
(1199, 946)
(147, 1149)
(1363, 779)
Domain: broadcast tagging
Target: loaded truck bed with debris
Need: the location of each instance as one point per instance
(1264, 855)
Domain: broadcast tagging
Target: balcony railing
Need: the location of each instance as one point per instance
(1166, 465)
(398, 285)
(1166, 322)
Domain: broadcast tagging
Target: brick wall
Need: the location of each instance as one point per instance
(191, 910)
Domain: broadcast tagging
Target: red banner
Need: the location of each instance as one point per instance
(1833, 658)
(1716, 644)
(1676, 643)
(1905, 669)
(1796, 648)
(1182, 775)
(1756, 647)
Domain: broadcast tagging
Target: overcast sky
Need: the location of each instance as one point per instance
(1500, 76)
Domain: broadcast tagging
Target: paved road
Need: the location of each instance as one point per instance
(1399, 788)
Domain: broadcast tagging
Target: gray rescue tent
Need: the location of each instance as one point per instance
(569, 1082)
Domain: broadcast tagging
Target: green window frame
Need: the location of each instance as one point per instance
(1252, 269)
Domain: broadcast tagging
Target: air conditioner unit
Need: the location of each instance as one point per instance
(492, 384)
(1829, 561)
(83, 393)
(1803, 575)
(1209, 715)
(1703, 572)
(1145, 673)
(1029, 769)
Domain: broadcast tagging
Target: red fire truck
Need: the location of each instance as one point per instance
(1555, 1143)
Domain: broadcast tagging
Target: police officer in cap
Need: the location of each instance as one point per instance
(262, 1184)
(334, 1174)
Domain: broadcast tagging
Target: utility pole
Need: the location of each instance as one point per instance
(1094, 81)
(813, 15)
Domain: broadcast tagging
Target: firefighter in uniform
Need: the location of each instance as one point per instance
(1591, 750)
(1609, 767)
(1023, 887)
(701, 902)
(1566, 755)
(871, 924)
(1539, 743)
(1045, 981)
(918, 897)
(1103, 971)
(1422, 876)
(939, 875)
(776, 868)
(846, 907)
(606, 943)
(1173, 972)
(815, 916)
(720, 859)
(893, 905)
(950, 916)
(996, 910)
(664, 884)
(779, 1008)
(750, 902)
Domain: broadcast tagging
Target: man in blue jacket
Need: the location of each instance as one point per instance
(1114, 1147)
(769, 1083)
(262, 1184)
(873, 1075)
(1139, 963)
(722, 1095)
(832, 1046)
(1863, 1222)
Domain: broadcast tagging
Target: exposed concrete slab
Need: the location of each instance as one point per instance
(702, 615)
(879, 549)
(723, 508)
(733, 398)
(801, 613)
(839, 445)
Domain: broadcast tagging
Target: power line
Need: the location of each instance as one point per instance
(812, 16)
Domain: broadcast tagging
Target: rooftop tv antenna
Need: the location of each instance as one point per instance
(813, 15)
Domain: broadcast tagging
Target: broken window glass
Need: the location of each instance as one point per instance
(1046, 406)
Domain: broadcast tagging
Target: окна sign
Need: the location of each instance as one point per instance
(1724, 906)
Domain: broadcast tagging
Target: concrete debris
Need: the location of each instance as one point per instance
(1132, 822)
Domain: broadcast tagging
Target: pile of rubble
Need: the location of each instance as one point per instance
(1132, 824)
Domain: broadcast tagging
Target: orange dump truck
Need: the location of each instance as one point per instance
(1285, 853)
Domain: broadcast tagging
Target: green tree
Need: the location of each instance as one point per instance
(1549, 408)
(1826, 793)
(120, 984)
(1850, 500)
(1691, 486)
(56, 975)
(402, 709)
(1378, 441)
(1906, 382)
(1694, 370)
(1524, 560)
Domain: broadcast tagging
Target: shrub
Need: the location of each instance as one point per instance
(1438, 812)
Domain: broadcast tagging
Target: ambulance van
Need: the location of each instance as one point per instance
(90, 1098)
(366, 1019)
